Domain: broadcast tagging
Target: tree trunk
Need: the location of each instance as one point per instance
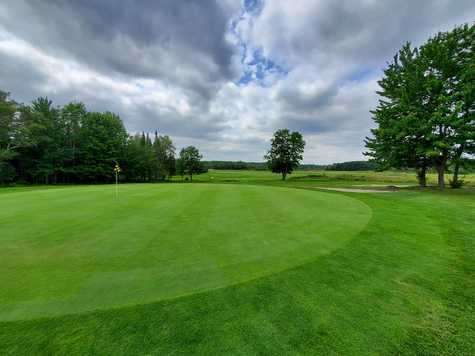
(284, 174)
(440, 174)
(457, 165)
(456, 173)
(421, 177)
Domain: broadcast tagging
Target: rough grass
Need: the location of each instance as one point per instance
(405, 284)
(333, 178)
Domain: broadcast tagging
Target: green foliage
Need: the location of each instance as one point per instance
(286, 152)
(102, 140)
(425, 116)
(41, 143)
(8, 109)
(235, 165)
(352, 166)
(190, 161)
(165, 156)
(140, 164)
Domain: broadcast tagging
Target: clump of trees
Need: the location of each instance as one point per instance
(41, 143)
(286, 152)
(235, 165)
(425, 116)
(189, 162)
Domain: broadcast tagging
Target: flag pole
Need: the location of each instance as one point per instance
(117, 171)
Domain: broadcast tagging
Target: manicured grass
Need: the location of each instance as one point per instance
(71, 250)
(348, 273)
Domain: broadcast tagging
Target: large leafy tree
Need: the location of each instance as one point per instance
(54, 140)
(38, 140)
(102, 138)
(165, 156)
(140, 161)
(190, 161)
(72, 115)
(425, 112)
(448, 60)
(8, 109)
(451, 63)
(401, 137)
(286, 152)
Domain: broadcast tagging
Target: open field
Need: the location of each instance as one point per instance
(330, 178)
(245, 264)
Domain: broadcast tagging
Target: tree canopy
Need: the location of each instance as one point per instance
(286, 152)
(425, 116)
(42, 143)
(189, 161)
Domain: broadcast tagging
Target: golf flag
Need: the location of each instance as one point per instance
(117, 171)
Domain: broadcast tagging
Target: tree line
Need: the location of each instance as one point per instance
(44, 144)
(256, 166)
(352, 166)
(425, 115)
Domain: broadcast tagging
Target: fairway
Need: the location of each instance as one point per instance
(75, 249)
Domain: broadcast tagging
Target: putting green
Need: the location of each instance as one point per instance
(69, 250)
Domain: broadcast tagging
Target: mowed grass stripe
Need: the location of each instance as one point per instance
(404, 286)
(76, 249)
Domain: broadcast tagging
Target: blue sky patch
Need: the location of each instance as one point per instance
(256, 66)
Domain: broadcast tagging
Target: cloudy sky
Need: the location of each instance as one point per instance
(221, 75)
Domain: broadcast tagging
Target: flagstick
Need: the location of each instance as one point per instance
(117, 171)
(116, 185)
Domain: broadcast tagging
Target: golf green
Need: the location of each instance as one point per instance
(75, 249)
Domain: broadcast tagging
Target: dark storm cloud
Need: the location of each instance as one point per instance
(180, 42)
(144, 118)
(368, 31)
(19, 76)
(293, 99)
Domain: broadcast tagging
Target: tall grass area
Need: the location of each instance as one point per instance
(322, 177)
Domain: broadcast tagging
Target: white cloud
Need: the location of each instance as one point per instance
(177, 71)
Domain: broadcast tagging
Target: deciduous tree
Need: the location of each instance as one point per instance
(286, 152)
(190, 161)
